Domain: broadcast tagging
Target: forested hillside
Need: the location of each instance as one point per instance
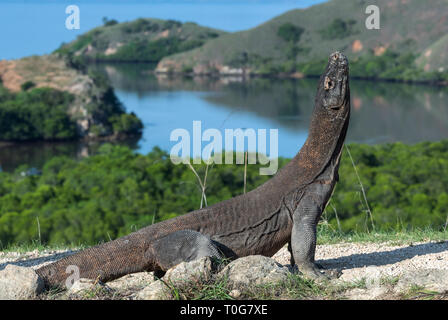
(141, 40)
(117, 191)
(408, 46)
(47, 98)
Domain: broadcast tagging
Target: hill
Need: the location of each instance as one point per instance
(298, 40)
(141, 40)
(435, 57)
(46, 98)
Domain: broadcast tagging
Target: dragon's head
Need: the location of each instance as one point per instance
(333, 93)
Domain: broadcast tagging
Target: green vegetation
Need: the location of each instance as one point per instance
(392, 65)
(328, 234)
(127, 123)
(33, 114)
(281, 46)
(61, 99)
(27, 85)
(42, 114)
(141, 25)
(214, 289)
(338, 29)
(416, 292)
(107, 195)
(434, 58)
(389, 66)
(290, 32)
(108, 23)
(295, 287)
(116, 192)
(218, 288)
(141, 50)
(141, 40)
(110, 112)
(405, 187)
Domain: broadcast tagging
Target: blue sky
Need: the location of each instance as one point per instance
(36, 27)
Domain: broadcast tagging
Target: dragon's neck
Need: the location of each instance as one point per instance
(322, 147)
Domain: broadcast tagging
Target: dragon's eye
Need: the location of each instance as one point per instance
(328, 84)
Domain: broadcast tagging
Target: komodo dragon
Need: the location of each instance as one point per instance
(283, 210)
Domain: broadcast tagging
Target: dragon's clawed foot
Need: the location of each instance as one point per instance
(317, 273)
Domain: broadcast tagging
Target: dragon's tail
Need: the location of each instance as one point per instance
(104, 262)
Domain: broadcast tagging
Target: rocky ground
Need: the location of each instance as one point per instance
(364, 271)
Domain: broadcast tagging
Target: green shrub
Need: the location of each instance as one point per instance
(27, 85)
(108, 23)
(187, 69)
(140, 25)
(389, 66)
(118, 191)
(169, 24)
(36, 114)
(290, 32)
(142, 50)
(338, 29)
(126, 123)
(268, 68)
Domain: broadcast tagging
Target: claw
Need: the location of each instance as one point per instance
(313, 271)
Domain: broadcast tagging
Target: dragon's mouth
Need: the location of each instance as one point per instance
(337, 107)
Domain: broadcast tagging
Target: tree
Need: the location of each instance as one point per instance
(290, 32)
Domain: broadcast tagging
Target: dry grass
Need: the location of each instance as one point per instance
(44, 71)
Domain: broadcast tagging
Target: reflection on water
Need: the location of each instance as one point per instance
(35, 154)
(381, 111)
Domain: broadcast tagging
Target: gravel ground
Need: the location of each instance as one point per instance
(390, 260)
(354, 261)
(35, 259)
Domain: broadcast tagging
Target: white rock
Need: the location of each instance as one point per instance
(254, 270)
(132, 281)
(235, 293)
(186, 272)
(17, 283)
(181, 275)
(430, 279)
(82, 285)
(371, 274)
(366, 294)
(157, 290)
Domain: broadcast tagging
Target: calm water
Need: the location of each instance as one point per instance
(381, 112)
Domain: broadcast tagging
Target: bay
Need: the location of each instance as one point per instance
(382, 112)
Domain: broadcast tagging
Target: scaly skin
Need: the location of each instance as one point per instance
(284, 209)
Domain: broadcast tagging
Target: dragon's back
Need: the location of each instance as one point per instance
(257, 222)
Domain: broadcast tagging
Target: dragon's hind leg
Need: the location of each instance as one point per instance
(183, 245)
